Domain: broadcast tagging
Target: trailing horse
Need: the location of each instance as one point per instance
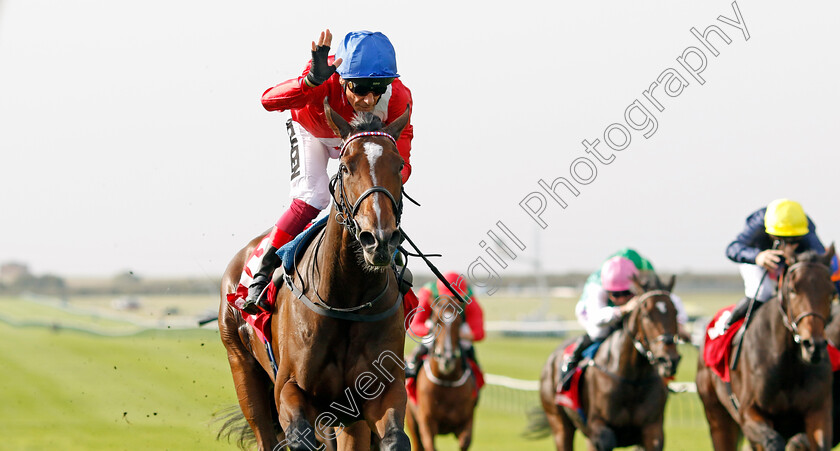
(782, 383)
(622, 391)
(334, 372)
(446, 385)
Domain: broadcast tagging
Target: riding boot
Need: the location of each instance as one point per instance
(255, 302)
(469, 353)
(740, 311)
(412, 364)
(571, 362)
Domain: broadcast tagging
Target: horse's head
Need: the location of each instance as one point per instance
(805, 295)
(447, 318)
(367, 189)
(653, 325)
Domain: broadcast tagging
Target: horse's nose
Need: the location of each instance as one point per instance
(380, 244)
(813, 349)
(668, 365)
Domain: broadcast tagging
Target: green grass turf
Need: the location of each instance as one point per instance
(74, 390)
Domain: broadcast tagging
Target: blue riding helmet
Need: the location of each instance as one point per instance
(366, 54)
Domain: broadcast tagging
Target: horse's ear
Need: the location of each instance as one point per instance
(337, 123)
(395, 128)
(640, 288)
(829, 254)
(670, 286)
(657, 282)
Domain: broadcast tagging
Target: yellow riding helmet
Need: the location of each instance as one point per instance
(785, 217)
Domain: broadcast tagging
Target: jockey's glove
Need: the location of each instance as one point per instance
(320, 70)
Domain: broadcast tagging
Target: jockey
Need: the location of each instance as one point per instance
(757, 250)
(605, 302)
(472, 329)
(361, 77)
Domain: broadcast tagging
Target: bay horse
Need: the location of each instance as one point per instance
(623, 391)
(446, 386)
(339, 370)
(782, 384)
(832, 334)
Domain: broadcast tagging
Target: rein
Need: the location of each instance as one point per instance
(784, 290)
(346, 216)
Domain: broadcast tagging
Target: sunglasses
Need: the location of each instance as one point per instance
(620, 294)
(789, 240)
(362, 89)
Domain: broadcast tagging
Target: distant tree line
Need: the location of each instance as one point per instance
(20, 280)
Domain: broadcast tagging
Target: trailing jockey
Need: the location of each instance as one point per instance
(471, 331)
(605, 300)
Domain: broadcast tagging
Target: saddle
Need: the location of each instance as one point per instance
(571, 398)
(717, 348)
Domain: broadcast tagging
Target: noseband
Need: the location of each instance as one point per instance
(784, 291)
(644, 347)
(346, 215)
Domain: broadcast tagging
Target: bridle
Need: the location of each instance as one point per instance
(345, 213)
(456, 354)
(345, 216)
(784, 291)
(643, 345)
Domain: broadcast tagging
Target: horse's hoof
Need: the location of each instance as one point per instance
(798, 442)
(300, 437)
(395, 440)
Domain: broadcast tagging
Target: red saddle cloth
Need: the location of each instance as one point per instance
(717, 350)
(569, 398)
(411, 383)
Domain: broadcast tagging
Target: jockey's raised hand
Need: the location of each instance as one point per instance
(321, 70)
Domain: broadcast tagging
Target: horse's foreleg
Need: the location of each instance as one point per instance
(465, 436)
(291, 403)
(412, 427)
(354, 437)
(818, 426)
(757, 429)
(253, 389)
(428, 430)
(385, 414)
(601, 437)
(722, 427)
(653, 436)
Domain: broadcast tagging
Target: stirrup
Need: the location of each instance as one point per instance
(250, 307)
(411, 370)
(566, 379)
(258, 305)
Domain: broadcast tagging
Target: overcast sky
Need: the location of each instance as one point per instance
(133, 138)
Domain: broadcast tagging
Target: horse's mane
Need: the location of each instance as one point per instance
(810, 256)
(366, 122)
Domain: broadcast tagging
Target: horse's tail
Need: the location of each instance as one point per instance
(538, 426)
(234, 427)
